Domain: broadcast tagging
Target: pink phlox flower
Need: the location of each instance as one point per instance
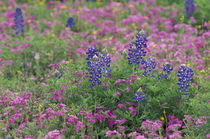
(121, 128)
(62, 105)
(60, 113)
(120, 121)
(90, 117)
(175, 135)
(133, 134)
(140, 137)
(127, 89)
(45, 84)
(118, 93)
(120, 105)
(79, 126)
(55, 134)
(119, 81)
(131, 108)
(18, 101)
(202, 120)
(111, 122)
(99, 117)
(156, 125)
(72, 119)
(109, 133)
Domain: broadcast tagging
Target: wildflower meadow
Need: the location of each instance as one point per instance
(104, 69)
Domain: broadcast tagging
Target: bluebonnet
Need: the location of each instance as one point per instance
(139, 95)
(70, 22)
(106, 61)
(149, 65)
(58, 74)
(91, 52)
(137, 51)
(18, 21)
(167, 69)
(97, 65)
(189, 7)
(184, 74)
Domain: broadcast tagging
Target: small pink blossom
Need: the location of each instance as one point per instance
(121, 127)
(109, 133)
(118, 93)
(120, 105)
(55, 134)
(127, 89)
(45, 84)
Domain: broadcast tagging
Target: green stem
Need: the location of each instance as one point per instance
(138, 110)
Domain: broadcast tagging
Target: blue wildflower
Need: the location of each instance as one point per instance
(94, 66)
(149, 65)
(18, 21)
(185, 74)
(139, 95)
(58, 74)
(70, 22)
(136, 51)
(167, 69)
(106, 61)
(97, 65)
(189, 7)
(92, 51)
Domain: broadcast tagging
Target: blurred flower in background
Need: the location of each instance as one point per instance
(19, 21)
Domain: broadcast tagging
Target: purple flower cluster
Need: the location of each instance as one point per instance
(137, 51)
(149, 66)
(70, 22)
(174, 125)
(18, 21)
(189, 7)
(106, 61)
(58, 74)
(139, 95)
(184, 74)
(151, 128)
(97, 64)
(167, 69)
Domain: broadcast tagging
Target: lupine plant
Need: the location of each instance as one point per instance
(94, 66)
(70, 22)
(184, 74)
(149, 66)
(19, 21)
(106, 61)
(167, 68)
(97, 64)
(137, 51)
(189, 7)
(139, 95)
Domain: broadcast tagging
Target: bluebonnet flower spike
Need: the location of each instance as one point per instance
(18, 21)
(167, 69)
(184, 74)
(139, 95)
(189, 7)
(70, 22)
(149, 66)
(136, 52)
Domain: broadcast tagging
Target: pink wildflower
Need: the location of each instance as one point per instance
(109, 133)
(118, 93)
(55, 134)
(120, 105)
(127, 89)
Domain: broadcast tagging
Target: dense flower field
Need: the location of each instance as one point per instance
(132, 69)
